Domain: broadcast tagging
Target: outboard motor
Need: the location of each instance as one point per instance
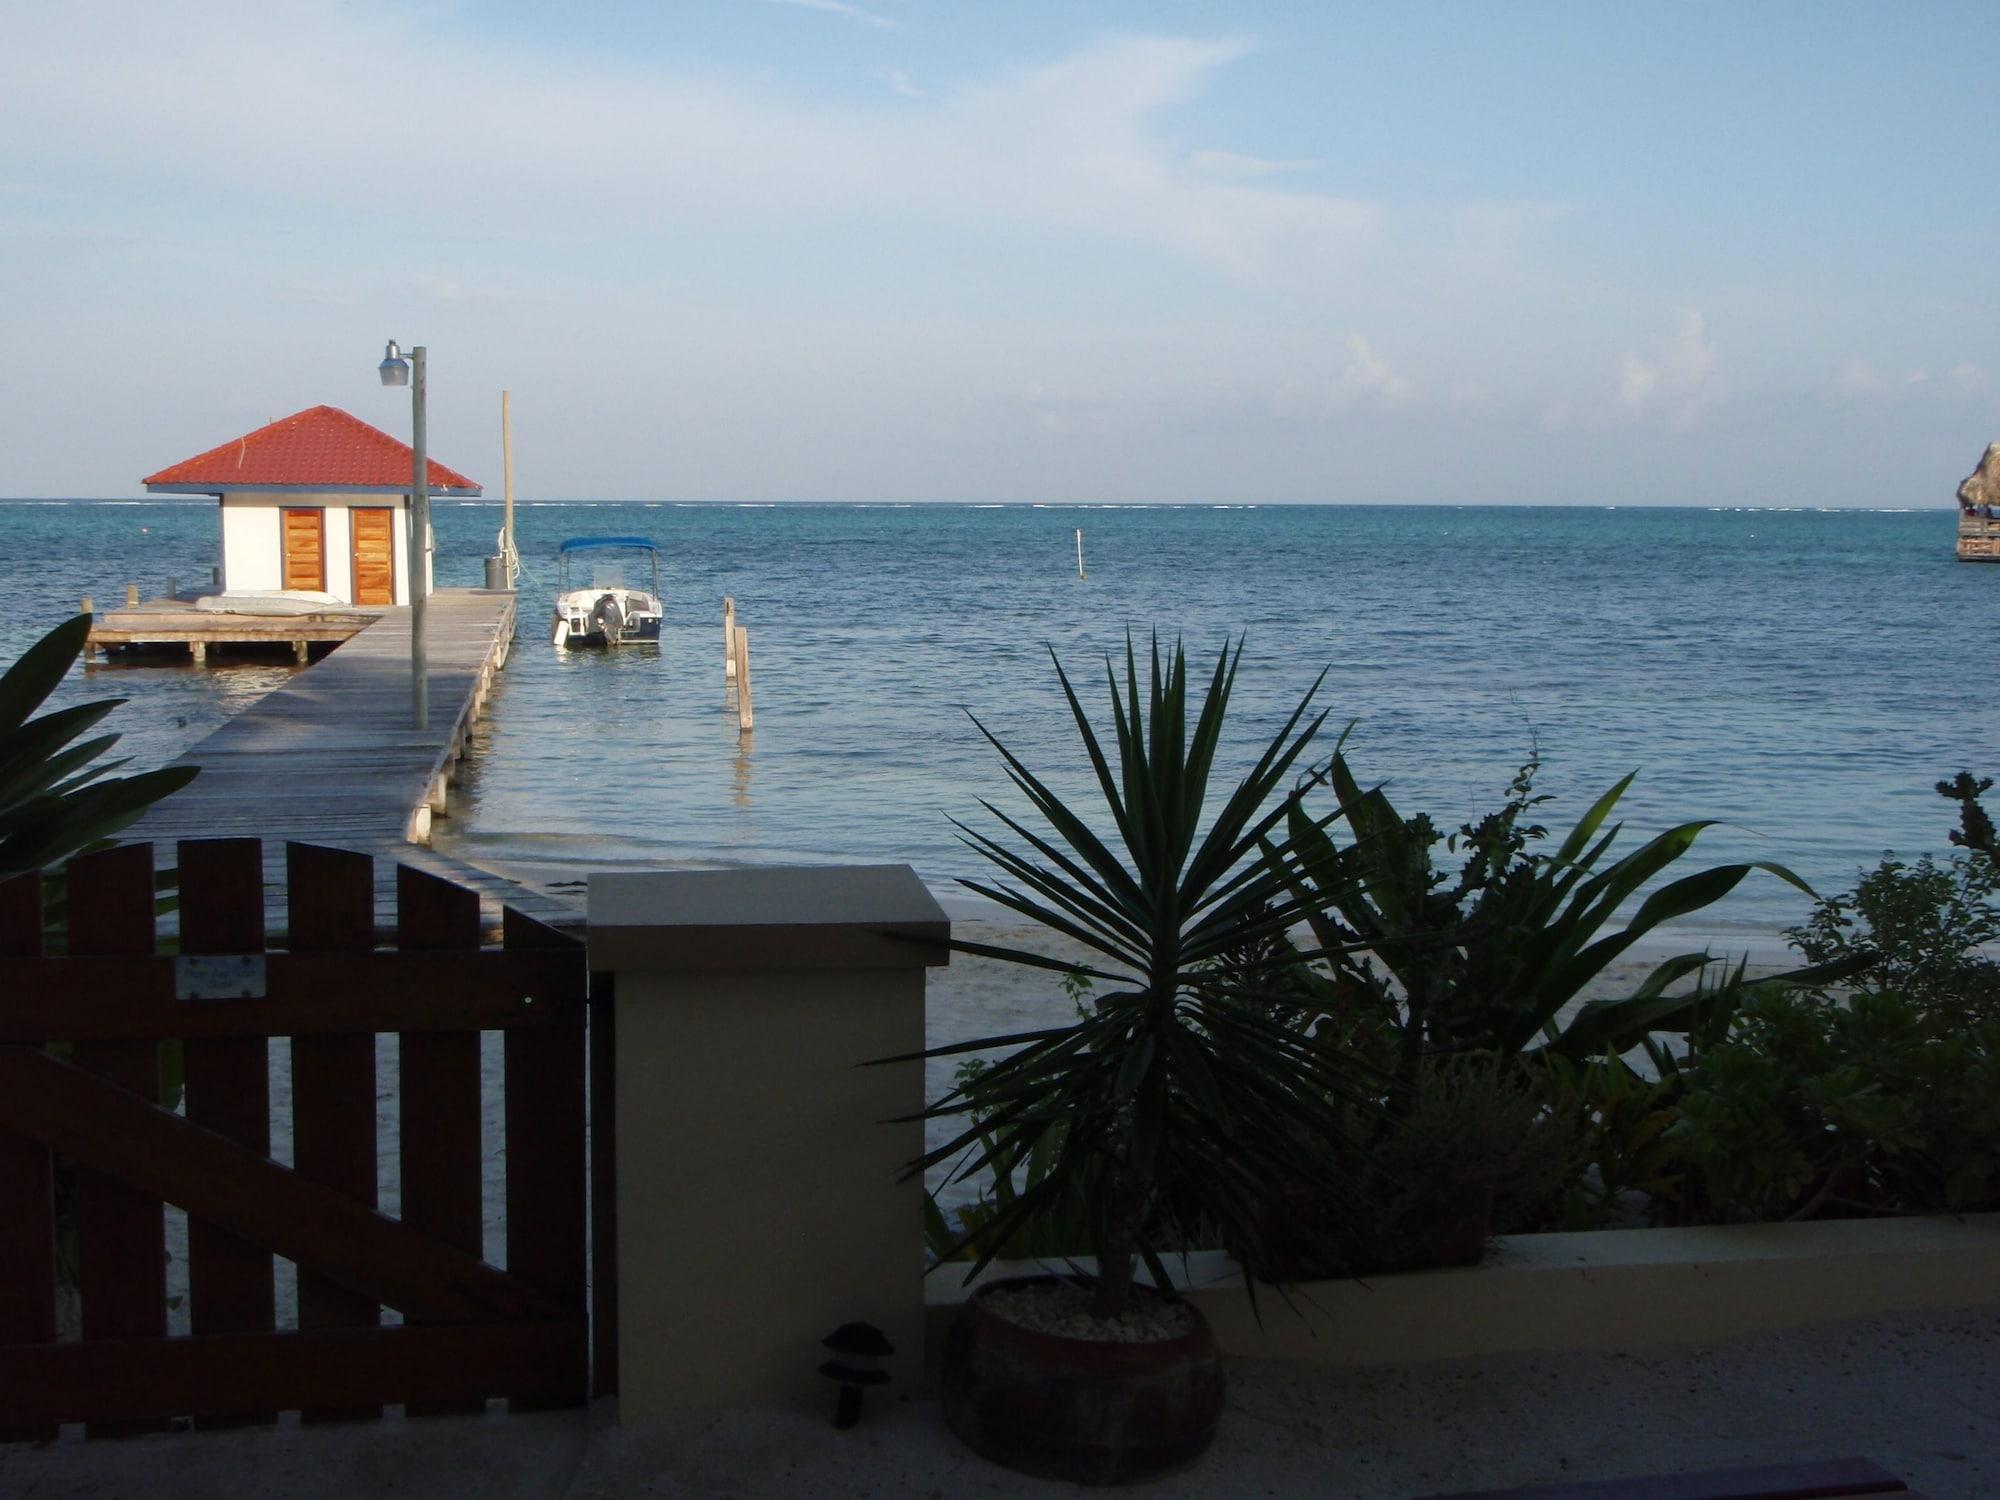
(609, 617)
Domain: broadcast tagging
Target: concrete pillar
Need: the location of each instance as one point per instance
(758, 1207)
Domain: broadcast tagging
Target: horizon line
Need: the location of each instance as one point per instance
(548, 500)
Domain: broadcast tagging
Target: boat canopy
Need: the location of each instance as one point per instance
(595, 543)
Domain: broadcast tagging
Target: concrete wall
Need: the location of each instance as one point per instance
(253, 544)
(1622, 1289)
(758, 1207)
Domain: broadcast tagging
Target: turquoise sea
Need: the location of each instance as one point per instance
(1803, 676)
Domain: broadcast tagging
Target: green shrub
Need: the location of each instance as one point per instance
(1819, 1107)
(1497, 955)
(1975, 829)
(1476, 1147)
(1629, 1159)
(1926, 923)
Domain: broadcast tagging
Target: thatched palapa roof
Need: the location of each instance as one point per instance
(1982, 485)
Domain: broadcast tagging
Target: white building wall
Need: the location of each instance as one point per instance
(253, 541)
(252, 553)
(339, 555)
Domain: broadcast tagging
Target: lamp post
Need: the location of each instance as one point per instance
(396, 370)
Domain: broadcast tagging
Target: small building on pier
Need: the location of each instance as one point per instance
(1979, 510)
(313, 503)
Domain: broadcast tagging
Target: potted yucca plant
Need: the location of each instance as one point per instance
(1181, 1080)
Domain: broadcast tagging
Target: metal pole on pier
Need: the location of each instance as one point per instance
(507, 552)
(395, 370)
(420, 554)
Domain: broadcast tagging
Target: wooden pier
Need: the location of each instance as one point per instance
(1978, 539)
(332, 757)
(174, 621)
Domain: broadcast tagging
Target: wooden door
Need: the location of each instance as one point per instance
(305, 549)
(374, 532)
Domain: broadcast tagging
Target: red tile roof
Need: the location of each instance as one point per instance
(321, 446)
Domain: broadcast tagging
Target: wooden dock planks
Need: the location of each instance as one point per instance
(332, 757)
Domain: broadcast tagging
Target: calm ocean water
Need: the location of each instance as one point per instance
(1803, 676)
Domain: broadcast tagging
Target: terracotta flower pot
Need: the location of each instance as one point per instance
(1087, 1410)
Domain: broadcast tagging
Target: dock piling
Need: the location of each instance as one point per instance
(131, 596)
(728, 639)
(742, 680)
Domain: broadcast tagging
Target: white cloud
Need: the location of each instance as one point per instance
(1857, 380)
(1074, 141)
(566, 145)
(446, 289)
(1680, 383)
(1365, 381)
(1235, 166)
(1055, 412)
(1637, 381)
(843, 9)
(900, 82)
(1369, 378)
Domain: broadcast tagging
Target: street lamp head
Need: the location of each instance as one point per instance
(394, 368)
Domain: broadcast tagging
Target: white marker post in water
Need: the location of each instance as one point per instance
(1079, 552)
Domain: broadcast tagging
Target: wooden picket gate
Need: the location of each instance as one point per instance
(88, 1154)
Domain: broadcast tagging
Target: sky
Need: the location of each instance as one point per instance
(1067, 251)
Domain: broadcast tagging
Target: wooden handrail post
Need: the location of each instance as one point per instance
(742, 680)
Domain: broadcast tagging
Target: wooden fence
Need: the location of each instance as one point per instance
(90, 1149)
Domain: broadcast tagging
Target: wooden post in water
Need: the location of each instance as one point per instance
(89, 607)
(1079, 552)
(742, 679)
(131, 595)
(728, 639)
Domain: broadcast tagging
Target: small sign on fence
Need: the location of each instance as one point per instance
(219, 976)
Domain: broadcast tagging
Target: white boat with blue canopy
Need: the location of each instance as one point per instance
(607, 611)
